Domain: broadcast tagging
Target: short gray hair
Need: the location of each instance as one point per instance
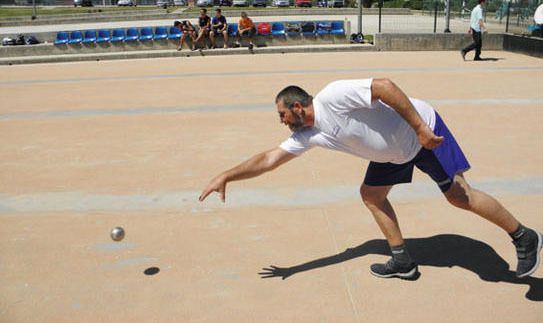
(292, 94)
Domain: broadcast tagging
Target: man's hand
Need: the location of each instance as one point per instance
(428, 139)
(218, 184)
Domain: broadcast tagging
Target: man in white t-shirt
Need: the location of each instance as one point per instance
(477, 27)
(373, 119)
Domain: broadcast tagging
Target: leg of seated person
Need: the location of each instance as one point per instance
(212, 38)
(181, 41)
(225, 37)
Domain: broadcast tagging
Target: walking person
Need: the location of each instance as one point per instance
(477, 27)
(374, 119)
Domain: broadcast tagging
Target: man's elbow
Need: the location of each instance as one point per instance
(380, 86)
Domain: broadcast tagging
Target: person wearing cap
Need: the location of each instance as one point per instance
(375, 120)
(246, 27)
(188, 30)
(477, 27)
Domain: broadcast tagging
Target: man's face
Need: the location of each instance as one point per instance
(202, 13)
(289, 117)
(217, 14)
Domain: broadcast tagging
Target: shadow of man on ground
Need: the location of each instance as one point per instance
(446, 250)
(491, 59)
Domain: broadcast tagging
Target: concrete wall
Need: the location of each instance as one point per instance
(425, 42)
(532, 46)
(51, 49)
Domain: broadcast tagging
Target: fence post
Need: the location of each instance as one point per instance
(34, 14)
(360, 17)
(380, 6)
(435, 16)
(507, 21)
(447, 16)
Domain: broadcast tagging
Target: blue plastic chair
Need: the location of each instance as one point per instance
(62, 38)
(160, 33)
(278, 29)
(175, 33)
(132, 34)
(337, 28)
(232, 30)
(146, 33)
(76, 37)
(117, 35)
(90, 37)
(324, 27)
(103, 36)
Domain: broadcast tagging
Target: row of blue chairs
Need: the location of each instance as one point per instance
(147, 33)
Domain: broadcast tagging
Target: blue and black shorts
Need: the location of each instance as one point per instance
(441, 163)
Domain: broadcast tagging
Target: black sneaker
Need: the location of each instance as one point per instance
(393, 269)
(528, 253)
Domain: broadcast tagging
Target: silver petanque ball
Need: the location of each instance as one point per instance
(117, 234)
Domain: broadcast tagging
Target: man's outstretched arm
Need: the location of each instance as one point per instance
(252, 167)
(388, 92)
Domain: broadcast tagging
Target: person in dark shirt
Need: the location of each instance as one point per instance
(219, 26)
(188, 30)
(204, 22)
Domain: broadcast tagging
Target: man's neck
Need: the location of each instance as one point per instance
(309, 119)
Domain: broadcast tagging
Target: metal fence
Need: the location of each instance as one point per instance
(431, 16)
(427, 16)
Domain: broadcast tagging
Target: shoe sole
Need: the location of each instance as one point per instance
(409, 274)
(537, 255)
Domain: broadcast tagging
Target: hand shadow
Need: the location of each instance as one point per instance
(446, 250)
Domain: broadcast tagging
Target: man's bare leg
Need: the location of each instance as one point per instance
(465, 197)
(375, 199)
(527, 241)
(401, 265)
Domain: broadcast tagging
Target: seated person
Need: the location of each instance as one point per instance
(246, 27)
(219, 26)
(204, 22)
(188, 30)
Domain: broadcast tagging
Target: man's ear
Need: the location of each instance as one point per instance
(298, 108)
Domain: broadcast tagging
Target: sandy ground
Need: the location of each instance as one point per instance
(88, 146)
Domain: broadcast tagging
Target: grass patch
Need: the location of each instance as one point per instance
(44, 11)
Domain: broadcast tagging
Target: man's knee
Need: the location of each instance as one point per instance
(373, 195)
(459, 194)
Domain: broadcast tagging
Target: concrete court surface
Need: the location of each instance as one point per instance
(88, 146)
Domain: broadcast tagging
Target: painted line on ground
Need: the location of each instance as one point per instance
(200, 75)
(188, 200)
(22, 115)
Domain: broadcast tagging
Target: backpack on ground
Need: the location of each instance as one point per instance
(31, 40)
(8, 41)
(20, 40)
(357, 38)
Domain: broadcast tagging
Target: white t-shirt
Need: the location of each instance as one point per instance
(346, 120)
(476, 16)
